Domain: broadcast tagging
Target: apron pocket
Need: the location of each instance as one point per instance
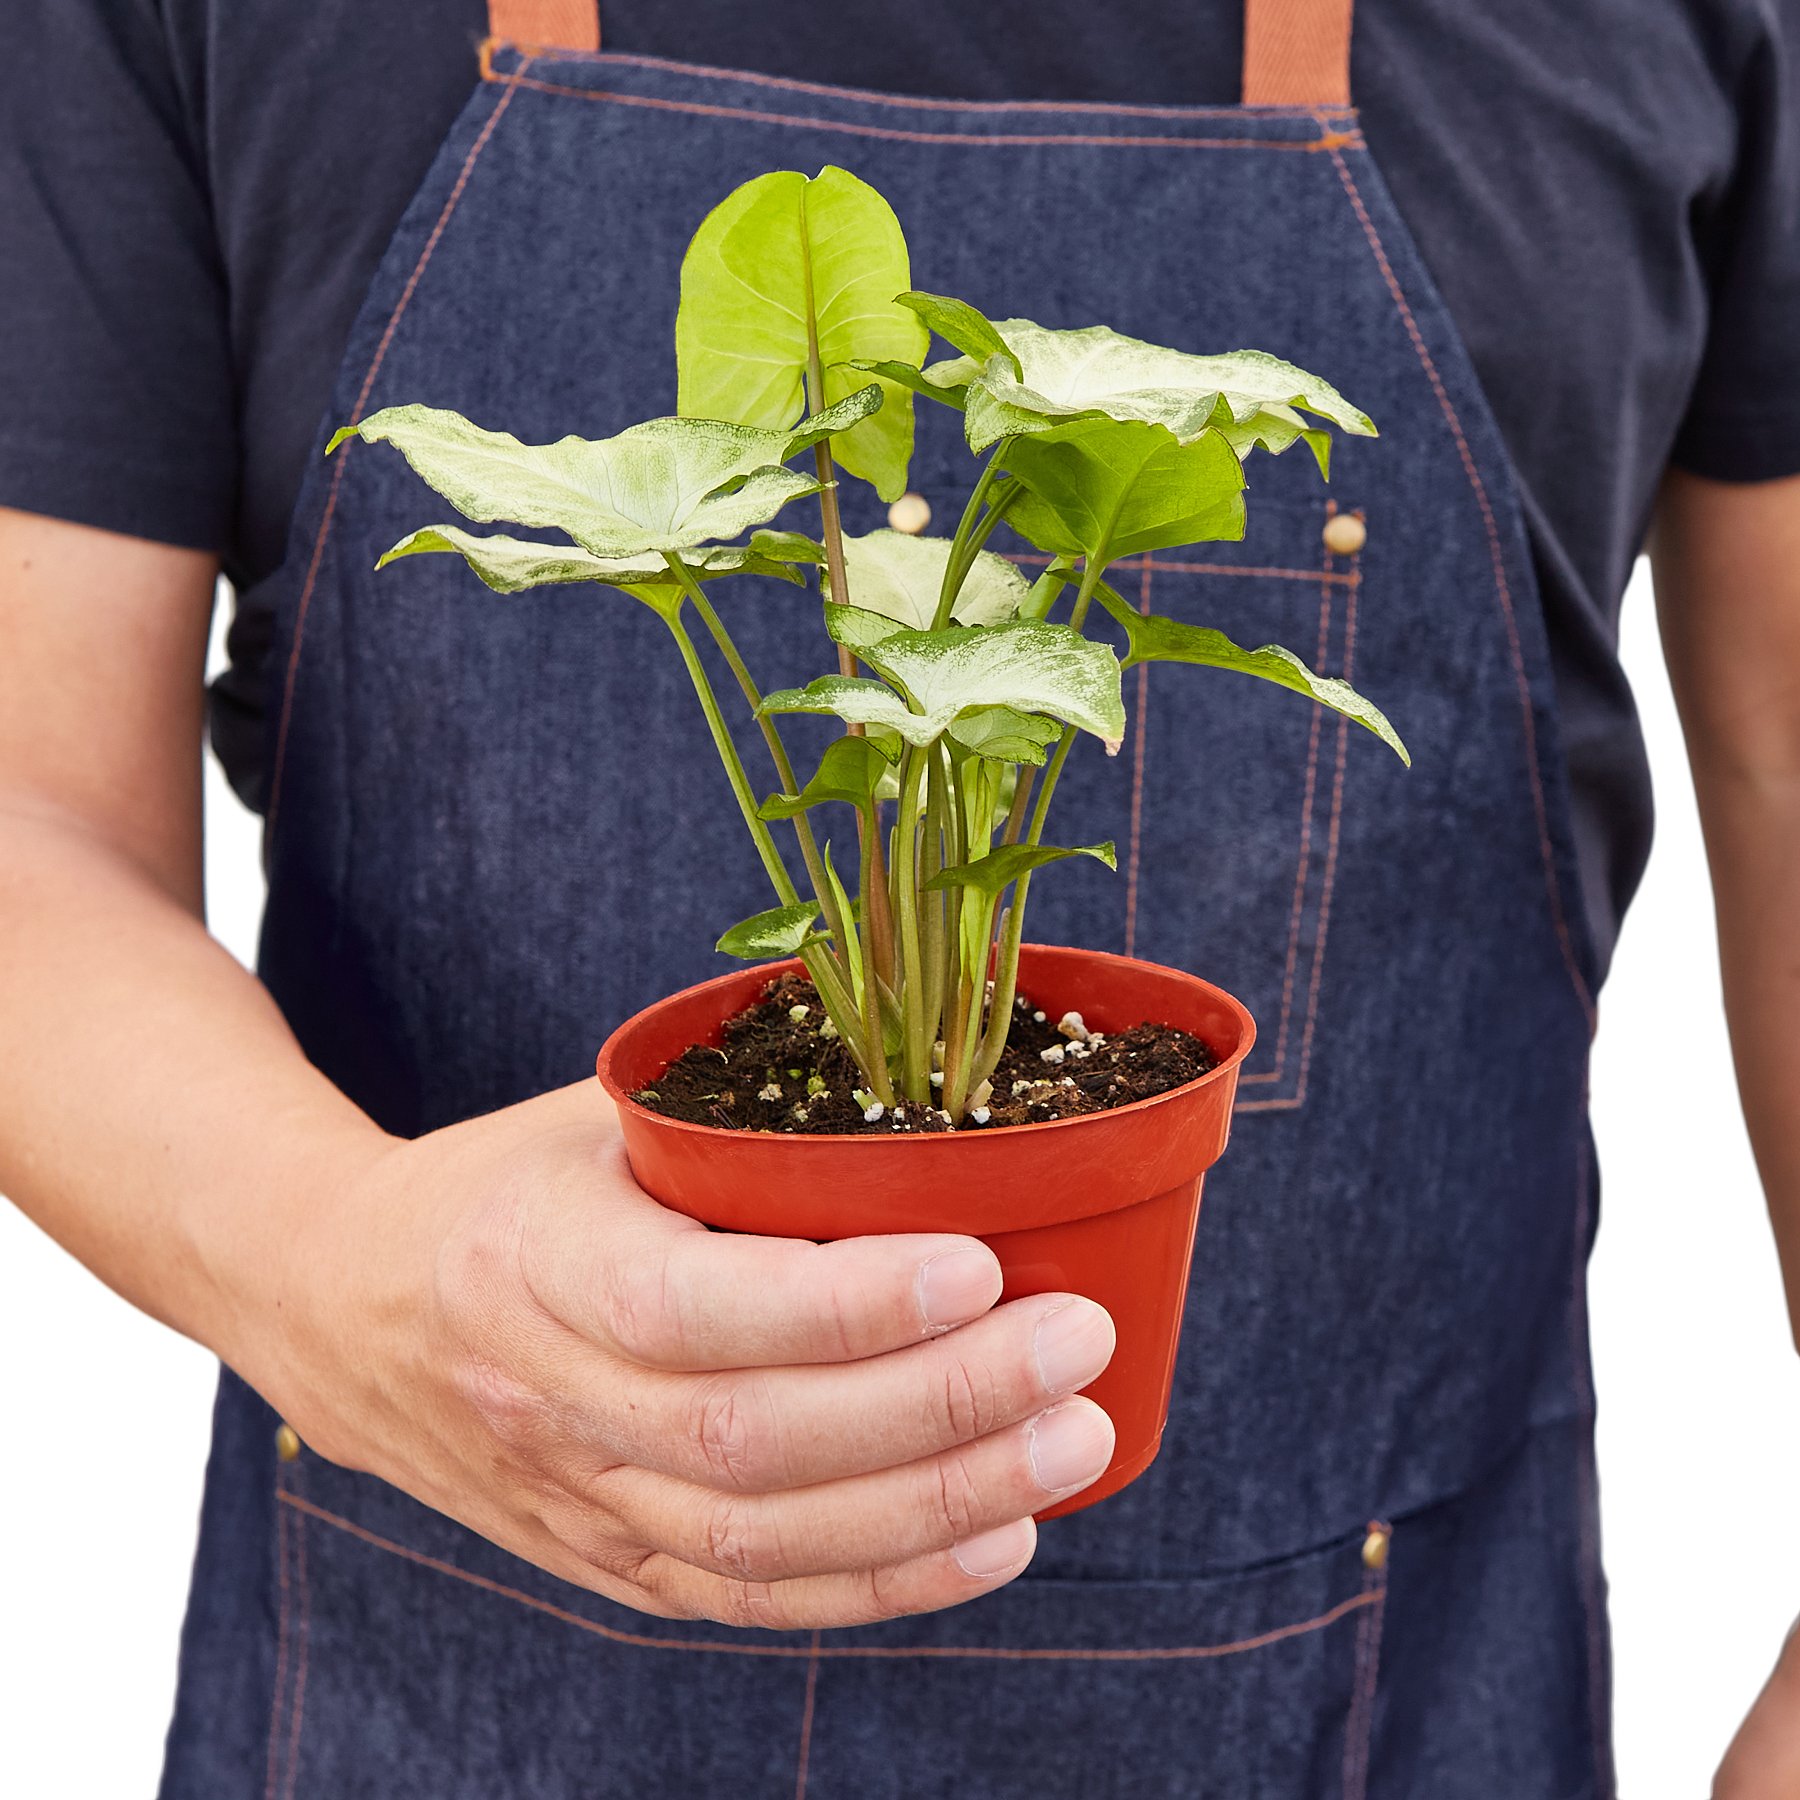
(417, 1658)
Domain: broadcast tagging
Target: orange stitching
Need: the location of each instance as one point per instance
(1328, 141)
(919, 103)
(303, 1636)
(362, 398)
(806, 1717)
(1301, 870)
(1359, 1727)
(1539, 802)
(841, 1652)
(1166, 565)
(281, 1651)
(1137, 776)
(1331, 854)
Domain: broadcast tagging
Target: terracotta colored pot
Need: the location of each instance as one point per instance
(1103, 1205)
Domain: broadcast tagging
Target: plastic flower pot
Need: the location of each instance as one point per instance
(1104, 1205)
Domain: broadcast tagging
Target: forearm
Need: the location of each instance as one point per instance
(1727, 565)
(156, 1115)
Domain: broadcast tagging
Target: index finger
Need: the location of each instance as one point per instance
(662, 1290)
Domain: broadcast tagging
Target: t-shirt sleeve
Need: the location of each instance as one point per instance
(1743, 420)
(116, 405)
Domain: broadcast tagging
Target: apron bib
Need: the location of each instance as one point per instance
(469, 886)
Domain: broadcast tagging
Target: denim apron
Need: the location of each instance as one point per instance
(472, 879)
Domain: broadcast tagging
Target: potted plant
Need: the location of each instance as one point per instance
(910, 1063)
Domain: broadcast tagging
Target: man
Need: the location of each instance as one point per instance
(489, 1316)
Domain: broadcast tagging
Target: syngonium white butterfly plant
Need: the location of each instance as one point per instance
(798, 331)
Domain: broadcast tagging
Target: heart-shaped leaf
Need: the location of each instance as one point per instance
(509, 564)
(784, 263)
(668, 484)
(1017, 377)
(851, 770)
(1153, 638)
(945, 674)
(1103, 490)
(990, 873)
(899, 576)
(778, 932)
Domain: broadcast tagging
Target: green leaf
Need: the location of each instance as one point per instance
(778, 932)
(945, 674)
(855, 628)
(1003, 734)
(992, 872)
(1103, 490)
(959, 324)
(783, 257)
(668, 484)
(850, 770)
(1153, 638)
(899, 576)
(1021, 378)
(509, 565)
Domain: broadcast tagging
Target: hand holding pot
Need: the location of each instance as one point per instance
(756, 1430)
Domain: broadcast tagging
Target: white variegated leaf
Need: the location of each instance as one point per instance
(899, 576)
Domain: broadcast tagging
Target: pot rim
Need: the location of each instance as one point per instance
(915, 1140)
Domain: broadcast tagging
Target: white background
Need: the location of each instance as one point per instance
(103, 1415)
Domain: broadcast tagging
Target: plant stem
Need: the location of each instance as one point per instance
(964, 544)
(875, 1063)
(1006, 975)
(915, 1045)
(803, 831)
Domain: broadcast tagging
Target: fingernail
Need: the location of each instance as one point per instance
(1070, 1445)
(958, 1285)
(994, 1552)
(1074, 1343)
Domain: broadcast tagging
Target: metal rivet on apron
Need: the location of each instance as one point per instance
(287, 1443)
(1375, 1547)
(911, 513)
(1345, 534)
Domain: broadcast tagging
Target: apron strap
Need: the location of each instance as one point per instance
(546, 24)
(1297, 53)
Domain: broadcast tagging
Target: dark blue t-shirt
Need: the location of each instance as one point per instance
(194, 195)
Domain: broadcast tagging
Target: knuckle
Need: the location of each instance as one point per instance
(966, 1402)
(511, 1412)
(642, 1310)
(955, 1501)
(750, 1603)
(734, 1544)
(731, 1432)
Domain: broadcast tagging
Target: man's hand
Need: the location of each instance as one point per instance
(756, 1430)
(1763, 1762)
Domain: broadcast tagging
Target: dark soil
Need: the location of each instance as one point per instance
(776, 1071)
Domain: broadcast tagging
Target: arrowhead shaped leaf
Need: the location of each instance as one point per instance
(1020, 377)
(1103, 490)
(778, 932)
(1152, 638)
(668, 484)
(509, 564)
(899, 576)
(944, 674)
(781, 259)
(851, 770)
(992, 872)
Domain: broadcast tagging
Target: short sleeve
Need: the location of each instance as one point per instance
(1743, 420)
(116, 402)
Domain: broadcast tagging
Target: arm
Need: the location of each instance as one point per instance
(1726, 559)
(693, 1423)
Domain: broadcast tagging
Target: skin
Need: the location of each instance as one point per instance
(494, 1317)
(1726, 561)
